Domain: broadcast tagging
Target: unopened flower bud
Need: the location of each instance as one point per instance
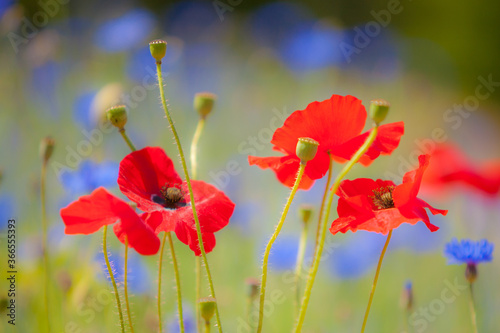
(306, 149)
(204, 103)
(253, 287)
(46, 148)
(207, 308)
(471, 272)
(305, 212)
(407, 297)
(378, 110)
(158, 48)
(117, 115)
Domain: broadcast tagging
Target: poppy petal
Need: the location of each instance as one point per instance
(285, 169)
(90, 212)
(408, 190)
(189, 236)
(143, 173)
(138, 234)
(330, 122)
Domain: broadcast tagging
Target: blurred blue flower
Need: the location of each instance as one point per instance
(283, 254)
(7, 210)
(191, 20)
(312, 47)
(468, 252)
(138, 277)
(5, 5)
(125, 32)
(189, 321)
(418, 238)
(273, 23)
(45, 81)
(82, 110)
(89, 176)
(357, 256)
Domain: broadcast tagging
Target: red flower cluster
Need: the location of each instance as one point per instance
(148, 178)
(450, 166)
(380, 205)
(91, 212)
(336, 124)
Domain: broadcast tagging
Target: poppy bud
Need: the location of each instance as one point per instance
(253, 287)
(46, 148)
(378, 110)
(117, 115)
(407, 297)
(207, 308)
(306, 149)
(158, 48)
(203, 103)
(305, 212)
(471, 272)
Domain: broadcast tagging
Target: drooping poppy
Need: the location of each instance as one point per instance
(450, 166)
(380, 205)
(148, 178)
(91, 212)
(336, 124)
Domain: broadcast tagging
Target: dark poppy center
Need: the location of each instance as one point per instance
(382, 197)
(170, 197)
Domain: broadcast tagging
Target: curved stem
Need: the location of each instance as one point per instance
(319, 249)
(322, 207)
(126, 138)
(197, 271)
(270, 244)
(125, 286)
(190, 188)
(298, 265)
(44, 242)
(207, 326)
(177, 281)
(160, 265)
(472, 309)
(372, 292)
(111, 276)
(194, 147)
(194, 175)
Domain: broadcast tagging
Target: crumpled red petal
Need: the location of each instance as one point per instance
(143, 173)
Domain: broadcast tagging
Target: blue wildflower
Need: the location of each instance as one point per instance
(468, 252)
(189, 321)
(89, 176)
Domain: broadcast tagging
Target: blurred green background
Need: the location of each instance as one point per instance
(63, 63)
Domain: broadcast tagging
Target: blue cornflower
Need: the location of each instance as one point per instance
(468, 252)
(89, 176)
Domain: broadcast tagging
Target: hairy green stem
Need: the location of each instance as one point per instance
(472, 309)
(374, 285)
(319, 250)
(265, 261)
(125, 286)
(46, 268)
(177, 281)
(190, 188)
(112, 277)
(127, 139)
(160, 266)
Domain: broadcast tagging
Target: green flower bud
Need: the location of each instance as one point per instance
(203, 103)
(117, 115)
(207, 308)
(306, 149)
(378, 110)
(305, 212)
(46, 148)
(158, 48)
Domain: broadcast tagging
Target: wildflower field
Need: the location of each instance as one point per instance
(224, 166)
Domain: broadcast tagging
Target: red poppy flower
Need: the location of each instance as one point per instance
(90, 212)
(450, 166)
(381, 205)
(336, 124)
(148, 177)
